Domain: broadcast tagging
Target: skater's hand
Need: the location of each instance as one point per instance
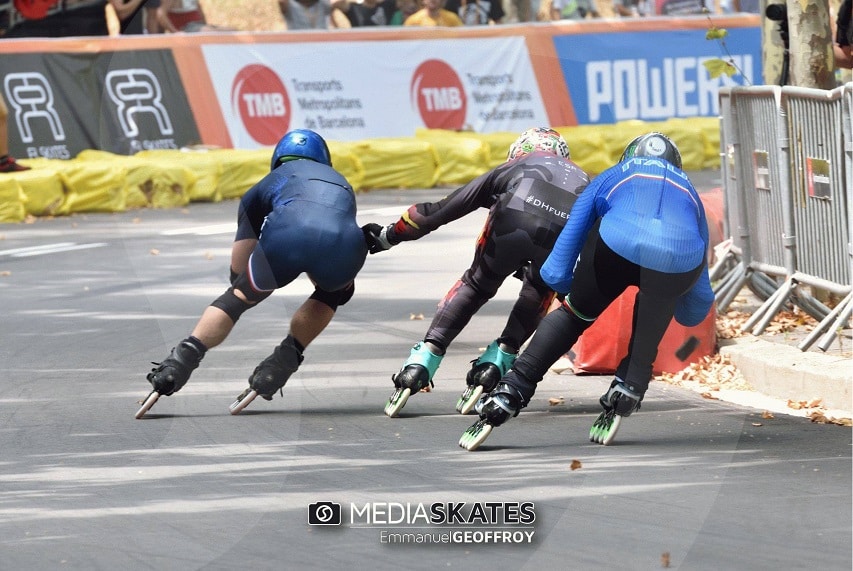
(376, 237)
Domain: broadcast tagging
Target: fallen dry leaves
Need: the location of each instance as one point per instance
(710, 373)
(554, 401)
(730, 324)
(801, 404)
(717, 372)
(819, 417)
(787, 321)
(576, 465)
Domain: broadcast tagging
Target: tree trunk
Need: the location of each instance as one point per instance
(812, 60)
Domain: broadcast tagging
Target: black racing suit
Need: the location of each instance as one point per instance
(529, 200)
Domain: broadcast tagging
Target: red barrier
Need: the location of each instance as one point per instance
(603, 345)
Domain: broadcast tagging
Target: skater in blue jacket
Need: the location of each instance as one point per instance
(638, 223)
(300, 218)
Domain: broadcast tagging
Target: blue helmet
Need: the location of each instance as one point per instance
(656, 145)
(301, 144)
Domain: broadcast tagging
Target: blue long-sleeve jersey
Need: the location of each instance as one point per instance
(650, 215)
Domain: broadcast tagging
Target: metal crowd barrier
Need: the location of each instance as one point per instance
(841, 178)
(787, 160)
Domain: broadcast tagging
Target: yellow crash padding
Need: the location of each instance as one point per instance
(499, 144)
(204, 166)
(151, 182)
(98, 181)
(692, 139)
(345, 160)
(587, 148)
(241, 169)
(398, 163)
(462, 156)
(11, 199)
(93, 186)
(42, 187)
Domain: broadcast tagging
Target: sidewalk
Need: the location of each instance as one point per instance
(810, 383)
(769, 372)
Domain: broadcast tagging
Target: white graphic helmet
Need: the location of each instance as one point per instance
(539, 139)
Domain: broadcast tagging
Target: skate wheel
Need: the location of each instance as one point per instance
(469, 399)
(243, 401)
(475, 435)
(397, 401)
(608, 435)
(147, 404)
(596, 427)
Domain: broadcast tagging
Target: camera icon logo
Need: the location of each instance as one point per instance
(324, 513)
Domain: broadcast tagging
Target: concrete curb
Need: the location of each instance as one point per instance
(782, 371)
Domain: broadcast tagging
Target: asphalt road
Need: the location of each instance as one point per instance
(89, 301)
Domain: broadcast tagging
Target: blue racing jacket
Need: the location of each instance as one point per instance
(650, 215)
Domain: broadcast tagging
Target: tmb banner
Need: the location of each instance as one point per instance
(369, 89)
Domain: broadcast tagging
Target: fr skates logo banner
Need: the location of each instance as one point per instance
(123, 102)
(483, 84)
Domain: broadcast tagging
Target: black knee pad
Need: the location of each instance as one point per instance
(232, 305)
(334, 299)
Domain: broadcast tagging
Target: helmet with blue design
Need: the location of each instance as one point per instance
(538, 139)
(301, 144)
(653, 145)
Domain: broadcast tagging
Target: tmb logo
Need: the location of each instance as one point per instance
(259, 98)
(438, 95)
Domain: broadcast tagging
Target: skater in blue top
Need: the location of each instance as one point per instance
(529, 197)
(638, 223)
(300, 218)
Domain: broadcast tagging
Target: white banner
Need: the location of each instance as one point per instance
(356, 91)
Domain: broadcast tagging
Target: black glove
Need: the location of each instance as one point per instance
(377, 237)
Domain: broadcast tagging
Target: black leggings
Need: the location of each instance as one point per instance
(499, 254)
(601, 275)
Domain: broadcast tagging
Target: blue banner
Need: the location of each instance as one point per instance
(652, 76)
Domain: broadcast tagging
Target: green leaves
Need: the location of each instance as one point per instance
(715, 33)
(718, 67)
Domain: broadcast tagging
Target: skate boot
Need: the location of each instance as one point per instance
(171, 374)
(270, 375)
(274, 371)
(495, 408)
(618, 402)
(484, 375)
(416, 374)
